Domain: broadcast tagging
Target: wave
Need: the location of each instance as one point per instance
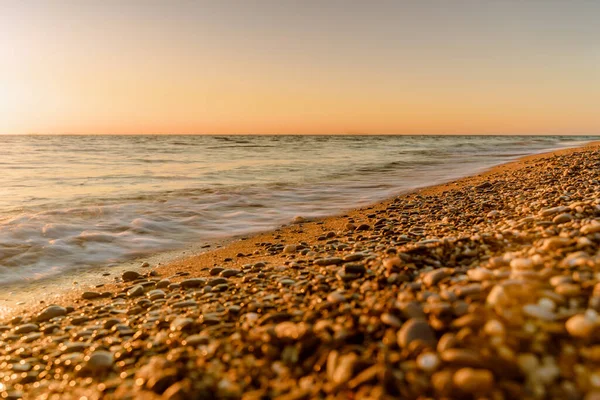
(107, 202)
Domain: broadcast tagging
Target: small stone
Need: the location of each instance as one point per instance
(468, 290)
(568, 289)
(90, 295)
(562, 218)
(555, 210)
(433, 277)
(196, 340)
(156, 294)
(354, 268)
(329, 261)
(288, 330)
(181, 323)
(442, 383)
(528, 363)
(336, 297)
(227, 273)
(26, 328)
(340, 367)
(471, 380)
(99, 361)
(391, 320)
(494, 328)
(428, 362)
(480, 274)
(555, 243)
(290, 249)
(184, 304)
(412, 309)
(73, 347)
(298, 220)
(416, 329)
(539, 312)
(521, 264)
(163, 283)
(130, 276)
(580, 326)
(591, 228)
(135, 291)
(462, 357)
(51, 312)
(193, 282)
(353, 257)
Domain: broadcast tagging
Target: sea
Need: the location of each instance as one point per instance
(85, 202)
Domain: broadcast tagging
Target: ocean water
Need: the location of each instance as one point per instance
(86, 201)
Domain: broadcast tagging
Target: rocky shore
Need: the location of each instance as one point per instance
(488, 287)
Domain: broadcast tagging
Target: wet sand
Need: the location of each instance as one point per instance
(482, 286)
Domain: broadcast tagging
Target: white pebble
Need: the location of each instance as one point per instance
(547, 304)
(428, 362)
(535, 311)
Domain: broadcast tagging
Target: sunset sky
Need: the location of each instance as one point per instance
(315, 67)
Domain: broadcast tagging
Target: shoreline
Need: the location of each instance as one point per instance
(485, 285)
(67, 286)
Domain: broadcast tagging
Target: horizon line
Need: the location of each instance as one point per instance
(300, 134)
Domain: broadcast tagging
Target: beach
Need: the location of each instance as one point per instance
(485, 286)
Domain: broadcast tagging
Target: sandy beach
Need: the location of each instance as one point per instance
(481, 287)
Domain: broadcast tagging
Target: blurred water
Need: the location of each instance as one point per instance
(77, 201)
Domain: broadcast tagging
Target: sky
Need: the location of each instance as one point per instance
(299, 67)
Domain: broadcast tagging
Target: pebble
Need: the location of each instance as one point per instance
(90, 295)
(554, 210)
(428, 362)
(99, 361)
(462, 357)
(471, 380)
(131, 276)
(192, 283)
(336, 297)
(156, 294)
(521, 264)
(290, 249)
(329, 261)
(51, 312)
(494, 327)
(539, 312)
(180, 324)
(391, 320)
(591, 228)
(229, 273)
(137, 290)
(184, 304)
(580, 326)
(416, 330)
(434, 277)
(562, 218)
(26, 328)
(163, 283)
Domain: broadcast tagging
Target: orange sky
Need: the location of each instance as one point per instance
(403, 67)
